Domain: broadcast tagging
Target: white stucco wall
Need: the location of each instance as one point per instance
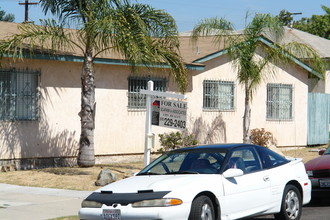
(57, 131)
(327, 82)
(121, 131)
(287, 133)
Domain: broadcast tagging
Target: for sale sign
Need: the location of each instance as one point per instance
(170, 114)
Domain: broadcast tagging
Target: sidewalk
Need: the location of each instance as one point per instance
(34, 203)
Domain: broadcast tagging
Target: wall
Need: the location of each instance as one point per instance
(227, 127)
(120, 130)
(56, 133)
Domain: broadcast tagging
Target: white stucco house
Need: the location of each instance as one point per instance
(40, 101)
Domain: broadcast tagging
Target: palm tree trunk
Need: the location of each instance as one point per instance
(247, 114)
(86, 157)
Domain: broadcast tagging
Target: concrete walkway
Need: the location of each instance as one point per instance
(34, 203)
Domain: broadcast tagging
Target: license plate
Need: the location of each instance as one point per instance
(111, 214)
(325, 183)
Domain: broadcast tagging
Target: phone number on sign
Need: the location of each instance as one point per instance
(174, 123)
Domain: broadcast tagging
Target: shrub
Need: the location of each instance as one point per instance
(261, 137)
(174, 140)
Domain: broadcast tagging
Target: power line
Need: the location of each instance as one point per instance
(27, 3)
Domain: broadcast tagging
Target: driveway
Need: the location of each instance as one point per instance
(33, 203)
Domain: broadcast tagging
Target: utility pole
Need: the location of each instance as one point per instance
(27, 3)
(294, 13)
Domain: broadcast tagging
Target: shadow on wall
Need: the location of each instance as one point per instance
(209, 133)
(35, 144)
(32, 144)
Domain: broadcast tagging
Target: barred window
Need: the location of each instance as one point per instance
(279, 101)
(19, 94)
(136, 83)
(219, 95)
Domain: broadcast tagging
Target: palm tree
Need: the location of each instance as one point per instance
(140, 33)
(6, 17)
(242, 49)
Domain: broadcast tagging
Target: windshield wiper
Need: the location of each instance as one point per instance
(183, 172)
(148, 173)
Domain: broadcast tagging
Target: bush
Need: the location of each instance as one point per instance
(262, 137)
(174, 140)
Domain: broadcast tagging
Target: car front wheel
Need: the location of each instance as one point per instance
(291, 207)
(202, 209)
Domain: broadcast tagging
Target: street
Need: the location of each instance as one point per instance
(316, 211)
(33, 203)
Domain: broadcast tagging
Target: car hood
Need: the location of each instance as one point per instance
(319, 163)
(164, 183)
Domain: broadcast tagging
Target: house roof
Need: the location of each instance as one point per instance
(194, 54)
(321, 45)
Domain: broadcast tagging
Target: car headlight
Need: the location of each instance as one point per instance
(310, 173)
(91, 204)
(157, 203)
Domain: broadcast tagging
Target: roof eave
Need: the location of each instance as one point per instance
(268, 43)
(106, 61)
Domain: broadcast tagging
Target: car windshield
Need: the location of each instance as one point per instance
(327, 151)
(189, 161)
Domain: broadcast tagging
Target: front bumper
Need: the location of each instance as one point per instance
(180, 212)
(318, 191)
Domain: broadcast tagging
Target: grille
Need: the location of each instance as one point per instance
(321, 173)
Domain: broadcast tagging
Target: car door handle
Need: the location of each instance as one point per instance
(266, 178)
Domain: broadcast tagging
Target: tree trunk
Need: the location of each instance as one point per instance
(247, 114)
(86, 157)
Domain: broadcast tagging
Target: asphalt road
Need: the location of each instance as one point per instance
(319, 210)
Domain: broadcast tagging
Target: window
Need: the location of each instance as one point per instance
(279, 101)
(19, 94)
(245, 159)
(271, 159)
(135, 84)
(219, 95)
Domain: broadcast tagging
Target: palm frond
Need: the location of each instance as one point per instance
(144, 36)
(49, 38)
(218, 28)
(305, 52)
(264, 24)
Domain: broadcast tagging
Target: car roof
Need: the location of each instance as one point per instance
(219, 146)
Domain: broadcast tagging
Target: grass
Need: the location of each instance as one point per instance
(306, 153)
(73, 178)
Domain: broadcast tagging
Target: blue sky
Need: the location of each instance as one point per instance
(188, 12)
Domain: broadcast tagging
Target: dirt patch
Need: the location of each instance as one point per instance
(306, 153)
(74, 178)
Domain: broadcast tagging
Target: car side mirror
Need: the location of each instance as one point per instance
(321, 152)
(233, 172)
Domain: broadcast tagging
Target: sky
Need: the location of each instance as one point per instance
(188, 13)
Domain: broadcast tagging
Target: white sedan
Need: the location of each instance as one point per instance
(209, 182)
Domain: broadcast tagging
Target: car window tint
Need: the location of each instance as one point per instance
(271, 159)
(245, 159)
(207, 161)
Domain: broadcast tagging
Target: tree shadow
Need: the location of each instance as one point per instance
(209, 133)
(35, 144)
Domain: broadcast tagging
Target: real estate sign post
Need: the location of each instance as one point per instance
(168, 114)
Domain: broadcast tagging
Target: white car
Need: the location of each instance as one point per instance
(228, 181)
